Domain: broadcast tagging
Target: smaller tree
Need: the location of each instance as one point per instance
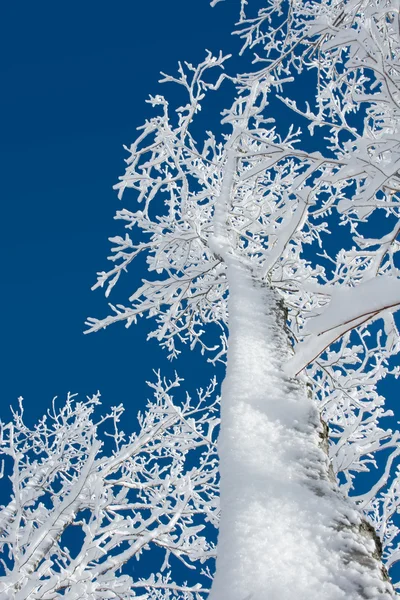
(79, 509)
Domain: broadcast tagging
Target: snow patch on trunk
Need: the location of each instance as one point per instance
(286, 531)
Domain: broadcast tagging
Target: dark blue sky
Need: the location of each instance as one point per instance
(75, 77)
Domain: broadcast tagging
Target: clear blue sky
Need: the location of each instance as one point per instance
(75, 76)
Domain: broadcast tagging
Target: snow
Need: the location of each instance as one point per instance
(348, 308)
(286, 532)
(349, 304)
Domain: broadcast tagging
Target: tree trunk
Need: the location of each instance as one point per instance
(286, 531)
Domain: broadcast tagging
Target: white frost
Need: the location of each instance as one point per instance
(286, 533)
(348, 308)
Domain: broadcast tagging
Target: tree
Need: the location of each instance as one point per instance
(236, 223)
(85, 499)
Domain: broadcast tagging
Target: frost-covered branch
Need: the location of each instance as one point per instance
(80, 509)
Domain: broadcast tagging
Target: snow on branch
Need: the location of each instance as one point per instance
(80, 509)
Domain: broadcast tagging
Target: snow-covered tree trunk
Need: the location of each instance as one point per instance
(286, 531)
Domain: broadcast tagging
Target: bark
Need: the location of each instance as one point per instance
(286, 530)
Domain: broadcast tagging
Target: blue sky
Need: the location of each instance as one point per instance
(75, 78)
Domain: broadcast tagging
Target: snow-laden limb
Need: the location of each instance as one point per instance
(347, 309)
(349, 304)
(117, 499)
